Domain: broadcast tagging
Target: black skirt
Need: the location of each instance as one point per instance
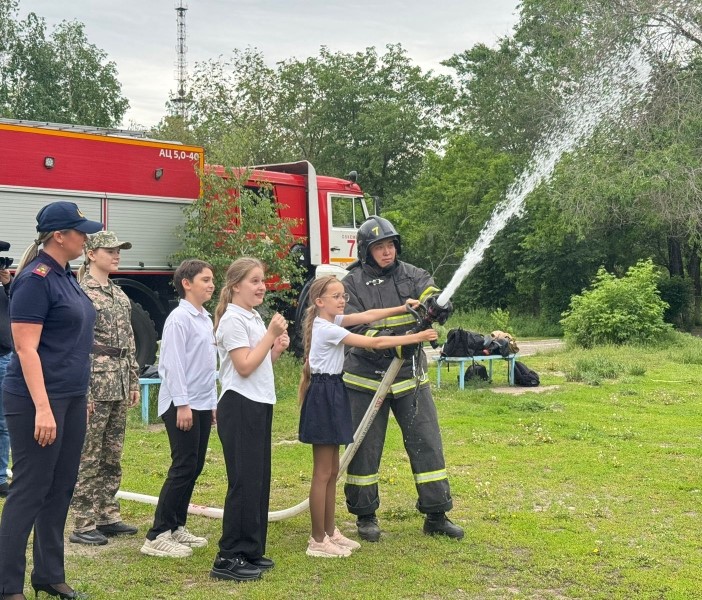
(325, 417)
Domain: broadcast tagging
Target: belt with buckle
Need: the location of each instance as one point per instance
(100, 350)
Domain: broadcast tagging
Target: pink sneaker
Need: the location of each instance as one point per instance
(343, 541)
(326, 549)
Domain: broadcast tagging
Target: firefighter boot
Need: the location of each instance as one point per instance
(368, 528)
(440, 524)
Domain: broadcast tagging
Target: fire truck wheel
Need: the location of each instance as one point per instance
(145, 335)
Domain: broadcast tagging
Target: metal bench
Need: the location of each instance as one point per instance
(462, 360)
(145, 383)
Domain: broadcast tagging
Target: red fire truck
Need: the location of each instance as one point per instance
(138, 186)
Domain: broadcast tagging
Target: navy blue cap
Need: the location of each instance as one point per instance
(64, 215)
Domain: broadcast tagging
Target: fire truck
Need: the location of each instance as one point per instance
(138, 187)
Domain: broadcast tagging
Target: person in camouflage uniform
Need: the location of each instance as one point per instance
(114, 387)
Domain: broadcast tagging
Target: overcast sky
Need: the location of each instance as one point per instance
(140, 35)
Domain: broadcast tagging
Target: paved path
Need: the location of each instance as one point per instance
(534, 346)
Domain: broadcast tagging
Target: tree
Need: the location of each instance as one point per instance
(231, 220)
(61, 78)
(455, 193)
(375, 114)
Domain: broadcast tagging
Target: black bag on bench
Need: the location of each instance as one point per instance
(460, 342)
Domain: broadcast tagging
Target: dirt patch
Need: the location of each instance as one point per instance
(518, 391)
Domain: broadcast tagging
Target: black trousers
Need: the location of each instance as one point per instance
(188, 450)
(42, 486)
(244, 427)
(418, 421)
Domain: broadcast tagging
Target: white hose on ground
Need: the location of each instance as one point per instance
(193, 509)
(279, 515)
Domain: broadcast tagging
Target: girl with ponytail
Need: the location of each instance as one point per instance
(247, 350)
(325, 416)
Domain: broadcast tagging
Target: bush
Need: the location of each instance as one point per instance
(617, 311)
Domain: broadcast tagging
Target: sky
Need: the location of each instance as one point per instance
(140, 36)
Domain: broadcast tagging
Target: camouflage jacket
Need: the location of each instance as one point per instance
(112, 378)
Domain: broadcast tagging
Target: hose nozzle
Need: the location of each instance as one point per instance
(429, 313)
(436, 312)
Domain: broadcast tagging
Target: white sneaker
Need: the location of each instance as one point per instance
(165, 545)
(343, 541)
(326, 549)
(183, 536)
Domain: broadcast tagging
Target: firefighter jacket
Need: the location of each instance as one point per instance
(370, 287)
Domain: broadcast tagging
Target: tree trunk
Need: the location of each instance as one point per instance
(693, 271)
(675, 260)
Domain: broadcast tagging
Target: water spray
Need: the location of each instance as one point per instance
(620, 82)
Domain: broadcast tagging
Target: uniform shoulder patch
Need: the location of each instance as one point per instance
(42, 269)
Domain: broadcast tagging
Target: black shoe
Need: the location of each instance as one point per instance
(118, 528)
(234, 569)
(263, 563)
(91, 538)
(4, 489)
(12, 596)
(62, 590)
(440, 524)
(368, 528)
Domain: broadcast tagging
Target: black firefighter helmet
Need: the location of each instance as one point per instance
(375, 229)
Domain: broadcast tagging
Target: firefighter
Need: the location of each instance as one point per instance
(379, 280)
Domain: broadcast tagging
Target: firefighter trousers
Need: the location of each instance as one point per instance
(417, 418)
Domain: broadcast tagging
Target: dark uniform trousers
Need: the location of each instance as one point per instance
(417, 418)
(188, 451)
(41, 490)
(244, 427)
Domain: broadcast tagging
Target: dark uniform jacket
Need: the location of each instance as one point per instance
(5, 333)
(370, 287)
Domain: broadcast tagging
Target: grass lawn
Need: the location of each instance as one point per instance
(588, 488)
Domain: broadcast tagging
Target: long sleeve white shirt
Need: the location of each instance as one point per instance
(187, 360)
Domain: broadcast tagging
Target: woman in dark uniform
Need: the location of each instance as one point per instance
(44, 398)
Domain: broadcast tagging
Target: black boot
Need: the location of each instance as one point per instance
(440, 524)
(368, 528)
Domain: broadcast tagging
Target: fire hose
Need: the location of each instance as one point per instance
(426, 316)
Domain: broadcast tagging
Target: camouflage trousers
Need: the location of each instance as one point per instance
(100, 473)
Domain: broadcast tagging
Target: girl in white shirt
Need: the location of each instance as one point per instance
(325, 417)
(247, 350)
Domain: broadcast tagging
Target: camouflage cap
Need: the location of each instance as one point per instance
(105, 239)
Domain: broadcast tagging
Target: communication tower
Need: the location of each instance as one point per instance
(180, 101)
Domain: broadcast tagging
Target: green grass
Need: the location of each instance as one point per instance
(589, 489)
